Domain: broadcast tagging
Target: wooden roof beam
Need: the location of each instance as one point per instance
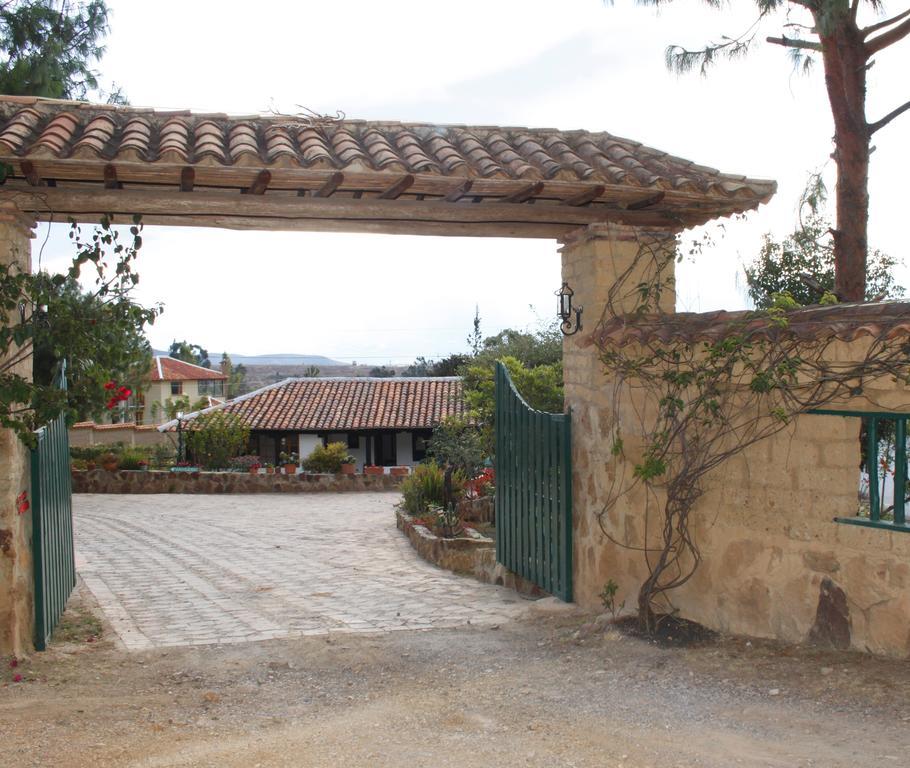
(31, 173)
(459, 192)
(260, 184)
(331, 185)
(187, 179)
(524, 194)
(583, 198)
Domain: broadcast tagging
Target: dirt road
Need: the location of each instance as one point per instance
(529, 693)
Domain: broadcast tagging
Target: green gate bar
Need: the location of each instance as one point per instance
(52, 525)
(533, 490)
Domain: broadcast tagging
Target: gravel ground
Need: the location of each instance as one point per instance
(531, 692)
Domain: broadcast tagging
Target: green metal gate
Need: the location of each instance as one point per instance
(52, 526)
(533, 490)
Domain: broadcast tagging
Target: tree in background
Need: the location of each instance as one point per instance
(475, 338)
(448, 366)
(236, 383)
(828, 29)
(190, 353)
(215, 438)
(382, 372)
(49, 46)
(311, 372)
(802, 265)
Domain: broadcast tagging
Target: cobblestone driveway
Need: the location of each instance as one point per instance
(186, 569)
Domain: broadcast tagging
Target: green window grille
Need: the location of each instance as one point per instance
(876, 424)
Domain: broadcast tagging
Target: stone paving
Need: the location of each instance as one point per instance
(194, 570)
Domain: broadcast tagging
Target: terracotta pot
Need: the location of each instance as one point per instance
(348, 469)
(399, 471)
(290, 469)
(254, 470)
(110, 466)
(270, 470)
(372, 469)
(90, 465)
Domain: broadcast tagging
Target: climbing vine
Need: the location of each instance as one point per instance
(689, 392)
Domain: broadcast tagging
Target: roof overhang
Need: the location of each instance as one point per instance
(72, 159)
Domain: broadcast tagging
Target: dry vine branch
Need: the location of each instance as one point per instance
(706, 400)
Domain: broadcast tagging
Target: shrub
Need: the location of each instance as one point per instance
(426, 487)
(328, 458)
(133, 460)
(215, 438)
(457, 442)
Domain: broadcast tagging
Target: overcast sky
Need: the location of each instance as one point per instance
(563, 63)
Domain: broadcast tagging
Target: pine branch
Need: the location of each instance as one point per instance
(882, 24)
(792, 42)
(873, 127)
(888, 38)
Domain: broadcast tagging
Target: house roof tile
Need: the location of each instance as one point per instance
(342, 404)
(166, 368)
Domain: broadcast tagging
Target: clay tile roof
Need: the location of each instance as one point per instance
(341, 404)
(844, 322)
(70, 144)
(169, 369)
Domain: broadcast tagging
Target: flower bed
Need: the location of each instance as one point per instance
(123, 481)
(470, 555)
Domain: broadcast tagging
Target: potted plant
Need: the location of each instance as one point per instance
(269, 468)
(109, 461)
(289, 461)
(254, 468)
(348, 465)
(373, 469)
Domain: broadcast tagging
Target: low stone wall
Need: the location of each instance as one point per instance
(129, 481)
(482, 510)
(470, 555)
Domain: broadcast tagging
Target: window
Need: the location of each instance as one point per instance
(883, 489)
(353, 441)
(139, 413)
(176, 387)
(418, 446)
(211, 387)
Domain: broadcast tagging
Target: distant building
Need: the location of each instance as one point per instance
(383, 421)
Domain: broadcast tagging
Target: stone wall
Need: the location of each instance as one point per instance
(16, 590)
(774, 562)
(131, 481)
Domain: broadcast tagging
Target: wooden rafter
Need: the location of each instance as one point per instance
(397, 188)
(31, 173)
(583, 198)
(260, 183)
(523, 194)
(460, 191)
(647, 202)
(331, 185)
(187, 179)
(110, 177)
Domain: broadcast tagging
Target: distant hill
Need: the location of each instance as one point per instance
(285, 360)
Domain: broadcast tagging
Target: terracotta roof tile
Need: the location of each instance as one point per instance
(169, 369)
(844, 322)
(341, 404)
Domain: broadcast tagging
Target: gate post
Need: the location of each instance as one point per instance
(16, 578)
(594, 258)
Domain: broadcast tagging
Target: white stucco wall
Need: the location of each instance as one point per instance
(306, 445)
(403, 453)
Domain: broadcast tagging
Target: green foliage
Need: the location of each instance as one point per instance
(608, 598)
(48, 47)
(215, 438)
(190, 353)
(457, 443)
(447, 366)
(382, 372)
(236, 382)
(311, 372)
(326, 458)
(425, 487)
(132, 459)
(50, 313)
(801, 266)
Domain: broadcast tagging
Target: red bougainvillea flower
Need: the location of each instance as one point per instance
(13, 662)
(17, 678)
(22, 504)
(110, 385)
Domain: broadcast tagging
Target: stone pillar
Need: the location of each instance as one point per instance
(16, 578)
(596, 259)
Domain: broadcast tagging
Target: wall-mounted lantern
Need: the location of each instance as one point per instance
(565, 311)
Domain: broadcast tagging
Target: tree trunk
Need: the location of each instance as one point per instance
(844, 57)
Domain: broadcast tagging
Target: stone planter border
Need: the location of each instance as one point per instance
(155, 481)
